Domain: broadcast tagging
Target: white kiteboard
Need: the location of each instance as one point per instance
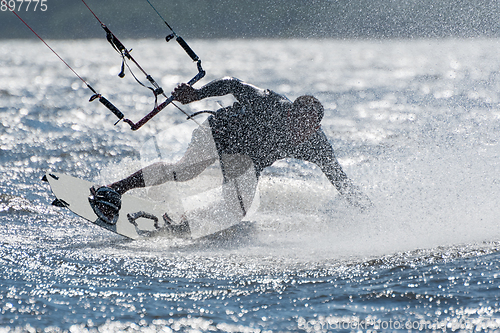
(137, 217)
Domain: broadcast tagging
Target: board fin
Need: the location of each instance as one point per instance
(60, 203)
(44, 178)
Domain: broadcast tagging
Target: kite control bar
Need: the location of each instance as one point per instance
(156, 89)
(196, 78)
(157, 109)
(120, 48)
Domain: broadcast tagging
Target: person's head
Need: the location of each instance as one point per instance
(305, 116)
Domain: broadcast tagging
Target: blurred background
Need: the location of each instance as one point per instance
(261, 18)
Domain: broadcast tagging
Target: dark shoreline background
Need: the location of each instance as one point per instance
(343, 19)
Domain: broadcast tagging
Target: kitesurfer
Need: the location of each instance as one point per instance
(261, 125)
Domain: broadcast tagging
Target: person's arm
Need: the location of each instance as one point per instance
(319, 151)
(352, 193)
(243, 92)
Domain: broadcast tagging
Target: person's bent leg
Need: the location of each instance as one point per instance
(160, 173)
(200, 154)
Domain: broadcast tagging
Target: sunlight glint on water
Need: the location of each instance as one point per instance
(415, 123)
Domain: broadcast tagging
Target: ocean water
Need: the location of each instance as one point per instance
(415, 123)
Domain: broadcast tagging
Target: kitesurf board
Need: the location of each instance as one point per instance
(73, 193)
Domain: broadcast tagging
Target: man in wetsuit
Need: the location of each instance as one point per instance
(262, 125)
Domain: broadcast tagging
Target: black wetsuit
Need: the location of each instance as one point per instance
(257, 125)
